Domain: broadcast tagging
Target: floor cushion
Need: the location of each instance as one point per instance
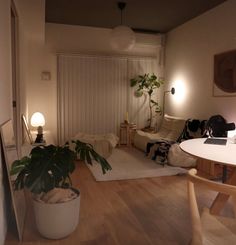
(171, 129)
(177, 157)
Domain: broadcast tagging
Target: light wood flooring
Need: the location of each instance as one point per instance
(128, 212)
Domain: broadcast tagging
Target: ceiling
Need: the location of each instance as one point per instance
(141, 15)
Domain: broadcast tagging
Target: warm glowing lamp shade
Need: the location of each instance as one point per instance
(37, 120)
(122, 38)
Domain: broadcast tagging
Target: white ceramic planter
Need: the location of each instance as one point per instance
(58, 220)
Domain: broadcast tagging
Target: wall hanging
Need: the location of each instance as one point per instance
(225, 74)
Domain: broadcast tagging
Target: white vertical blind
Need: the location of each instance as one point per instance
(94, 93)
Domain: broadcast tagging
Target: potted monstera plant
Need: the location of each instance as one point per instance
(148, 84)
(46, 174)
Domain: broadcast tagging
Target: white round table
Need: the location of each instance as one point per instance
(225, 154)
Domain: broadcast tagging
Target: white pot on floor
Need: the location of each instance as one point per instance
(57, 220)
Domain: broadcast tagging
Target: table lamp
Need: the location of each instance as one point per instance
(38, 120)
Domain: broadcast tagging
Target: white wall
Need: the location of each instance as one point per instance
(189, 63)
(76, 39)
(31, 40)
(32, 37)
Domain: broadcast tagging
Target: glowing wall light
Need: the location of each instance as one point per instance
(180, 91)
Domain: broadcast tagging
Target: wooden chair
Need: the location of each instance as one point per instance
(208, 228)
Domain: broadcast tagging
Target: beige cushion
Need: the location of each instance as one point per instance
(170, 129)
(142, 138)
(176, 157)
(218, 230)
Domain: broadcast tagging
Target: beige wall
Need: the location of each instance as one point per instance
(32, 35)
(189, 63)
(31, 39)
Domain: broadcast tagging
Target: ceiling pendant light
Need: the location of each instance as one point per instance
(122, 37)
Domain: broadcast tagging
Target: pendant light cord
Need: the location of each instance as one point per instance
(121, 17)
(121, 6)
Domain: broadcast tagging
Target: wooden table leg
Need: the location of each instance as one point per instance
(221, 199)
(120, 136)
(127, 135)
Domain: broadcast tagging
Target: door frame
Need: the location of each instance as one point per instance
(16, 118)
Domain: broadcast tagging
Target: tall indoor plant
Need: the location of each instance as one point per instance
(46, 173)
(147, 84)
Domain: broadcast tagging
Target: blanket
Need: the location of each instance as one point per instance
(158, 150)
(103, 144)
(193, 128)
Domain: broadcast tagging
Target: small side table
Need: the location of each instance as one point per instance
(126, 131)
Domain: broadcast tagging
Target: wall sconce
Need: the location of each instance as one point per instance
(172, 91)
(38, 120)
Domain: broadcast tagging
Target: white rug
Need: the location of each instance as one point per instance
(130, 163)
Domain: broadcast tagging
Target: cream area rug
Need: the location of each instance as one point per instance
(130, 163)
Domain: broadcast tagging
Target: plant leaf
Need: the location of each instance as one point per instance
(133, 82)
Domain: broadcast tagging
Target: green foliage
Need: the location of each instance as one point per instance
(85, 152)
(47, 167)
(148, 84)
(50, 166)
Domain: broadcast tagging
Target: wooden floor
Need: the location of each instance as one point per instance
(130, 212)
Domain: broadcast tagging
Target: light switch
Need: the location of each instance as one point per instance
(46, 75)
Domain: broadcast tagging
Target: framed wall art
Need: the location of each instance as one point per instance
(225, 74)
(10, 155)
(26, 131)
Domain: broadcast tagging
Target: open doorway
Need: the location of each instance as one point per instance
(15, 75)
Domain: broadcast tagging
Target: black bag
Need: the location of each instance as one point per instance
(217, 126)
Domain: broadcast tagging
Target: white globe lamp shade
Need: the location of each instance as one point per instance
(122, 38)
(37, 120)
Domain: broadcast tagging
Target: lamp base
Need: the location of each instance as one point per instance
(40, 139)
